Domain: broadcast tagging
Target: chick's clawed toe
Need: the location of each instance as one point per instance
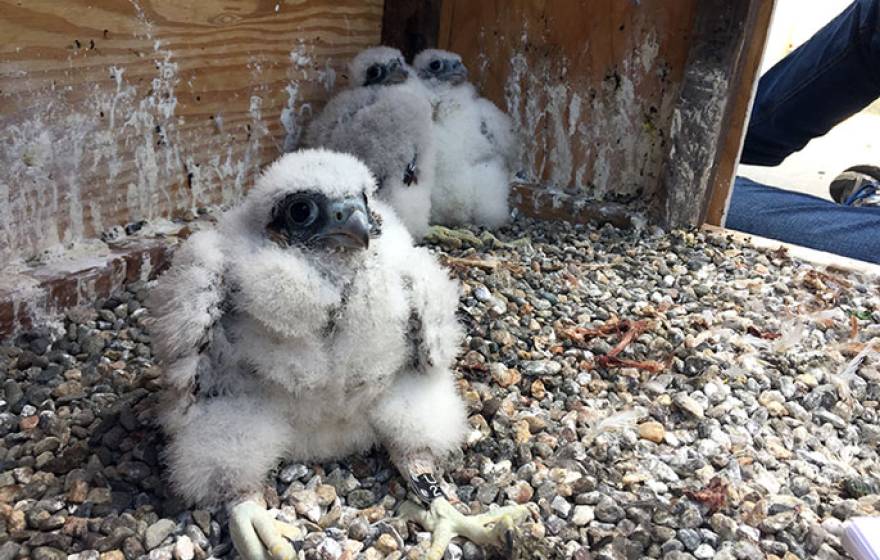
(494, 528)
(259, 536)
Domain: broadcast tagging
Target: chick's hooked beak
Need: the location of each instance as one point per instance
(457, 73)
(348, 225)
(397, 73)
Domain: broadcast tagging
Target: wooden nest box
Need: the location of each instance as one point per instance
(116, 112)
(627, 104)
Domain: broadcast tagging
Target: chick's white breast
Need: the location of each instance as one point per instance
(343, 344)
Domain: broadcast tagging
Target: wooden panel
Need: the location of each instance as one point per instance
(29, 297)
(591, 84)
(709, 106)
(115, 111)
(545, 204)
(746, 81)
(411, 25)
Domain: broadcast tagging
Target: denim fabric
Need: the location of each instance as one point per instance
(805, 220)
(832, 76)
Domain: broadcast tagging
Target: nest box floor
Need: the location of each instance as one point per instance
(653, 395)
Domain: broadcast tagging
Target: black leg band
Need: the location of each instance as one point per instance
(426, 487)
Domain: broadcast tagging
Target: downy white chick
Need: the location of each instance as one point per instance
(476, 146)
(306, 326)
(385, 120)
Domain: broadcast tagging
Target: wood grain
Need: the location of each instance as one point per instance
(538, 202)
(591, 84)
(742, 96)
(28, 297)
(713, 101)
(116, 111)
(700, 112)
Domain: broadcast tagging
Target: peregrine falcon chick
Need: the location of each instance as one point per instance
(477, 148)
(307, 296)
(385, 120)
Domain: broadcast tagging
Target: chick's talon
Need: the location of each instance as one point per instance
(494, 528)
(259, 536)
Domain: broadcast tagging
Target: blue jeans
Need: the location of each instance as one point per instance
(832, 76)
(805, 220)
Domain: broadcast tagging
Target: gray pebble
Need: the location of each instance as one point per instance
(158, 532)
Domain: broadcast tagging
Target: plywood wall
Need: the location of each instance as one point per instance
(591, 84)
(114, 111)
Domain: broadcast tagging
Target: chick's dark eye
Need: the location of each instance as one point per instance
(435, 65)
(303, 212)
(374, 72)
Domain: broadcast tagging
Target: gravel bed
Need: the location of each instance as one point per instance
(652, 395)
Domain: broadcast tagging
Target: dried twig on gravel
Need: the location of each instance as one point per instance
(609, 361)
(713, 496)
(581, 334)
(632, 331)
(464, 263)
(766, 335)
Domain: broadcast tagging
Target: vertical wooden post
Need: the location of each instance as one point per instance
(760, 15)
(411, 25)
(710, 107)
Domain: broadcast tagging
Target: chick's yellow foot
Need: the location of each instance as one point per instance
(494, 528)
(259, 536)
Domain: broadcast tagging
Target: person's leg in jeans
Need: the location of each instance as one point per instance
(835, 74)
(832, 76)
(805, 220)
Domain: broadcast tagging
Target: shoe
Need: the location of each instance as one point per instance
(857, 186)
